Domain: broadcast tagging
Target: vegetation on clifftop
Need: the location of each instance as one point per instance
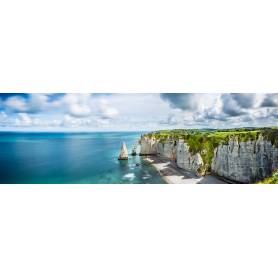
(273, 179)
(205, 141)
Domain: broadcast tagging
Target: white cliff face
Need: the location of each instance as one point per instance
(186, 160)
(167, 149)
(177, 151)
(245, 161)
(123, 153)
(238, 161)
(148, 146)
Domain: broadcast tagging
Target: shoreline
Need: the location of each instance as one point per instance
(171, 174)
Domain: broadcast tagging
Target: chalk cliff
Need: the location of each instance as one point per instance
(123, 153)
(240, 161)
(177, 151)
(148, 146)
(245, 161)
(188, 161)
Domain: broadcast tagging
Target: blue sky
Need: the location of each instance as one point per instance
(112, 112)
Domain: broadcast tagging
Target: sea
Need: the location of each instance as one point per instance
(72, 158)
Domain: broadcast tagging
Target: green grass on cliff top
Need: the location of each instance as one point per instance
(273, 179)
(199, 137)
(205, 141)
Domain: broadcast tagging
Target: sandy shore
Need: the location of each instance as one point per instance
(172, 174)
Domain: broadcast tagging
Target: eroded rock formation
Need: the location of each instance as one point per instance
(123, 153)
(245, 162)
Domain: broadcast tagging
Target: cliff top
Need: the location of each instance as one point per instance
(205, 141)
(195, 137)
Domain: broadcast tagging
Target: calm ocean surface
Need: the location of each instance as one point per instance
(71, 158)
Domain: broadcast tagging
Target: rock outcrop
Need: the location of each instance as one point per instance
(134, 149)
(244, 162)
(188, 161)
(148, 146)
(178, 151)
(123, 153)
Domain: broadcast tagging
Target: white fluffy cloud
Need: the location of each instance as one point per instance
(16, 104)
(171, 120)
(34, 103)
(3, 118)
(225, 109)
(107, 112)
(78, 105)
(70, 121)
(23, 119)
(38, 102)
(137, 111)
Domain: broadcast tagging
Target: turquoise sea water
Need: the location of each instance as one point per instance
(71, 158)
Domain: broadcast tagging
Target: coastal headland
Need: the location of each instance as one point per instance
(244, 155)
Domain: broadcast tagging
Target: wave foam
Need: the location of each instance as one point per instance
(129, 176)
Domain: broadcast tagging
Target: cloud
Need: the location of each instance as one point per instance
(31, 103)
(171, 120)
(231, 105)
(220, 107)
(16, 104)
(215, 111)
(108, 112)
(270, 100)
(38, 102)
(182, 101)
(78, 105)
(244, 100)
(235, 109)
(136, 111)
(274, 113)
(23, 119)
(3, 118)
(209, 115)
(85, 105)
(70, 121)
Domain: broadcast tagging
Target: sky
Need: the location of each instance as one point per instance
(135, 112)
